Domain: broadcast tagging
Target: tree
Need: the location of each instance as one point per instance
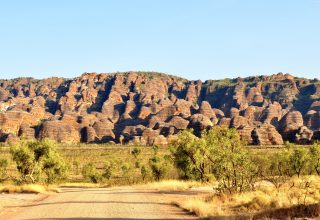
(232, 165)
(219, 152)
(189, 153)
(34, 158)
(54, 167)
(159, 166)
(276, 168)
(27, 165)
(280, 164)
(298, 160)
(314, 152)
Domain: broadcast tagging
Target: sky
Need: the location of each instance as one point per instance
(195, 39)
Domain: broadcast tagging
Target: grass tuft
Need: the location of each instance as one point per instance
(80, 185)
(294, 195)
(28, 188)
(173, 185)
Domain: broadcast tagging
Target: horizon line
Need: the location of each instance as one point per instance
(155, 72)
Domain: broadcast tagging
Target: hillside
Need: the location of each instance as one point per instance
(151, 108)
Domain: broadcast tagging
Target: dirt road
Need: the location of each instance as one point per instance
(101, 203)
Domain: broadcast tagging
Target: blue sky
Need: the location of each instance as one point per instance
(196, 39)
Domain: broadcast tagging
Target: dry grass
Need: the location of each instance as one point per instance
(80, 185)
(294, 193)
(201, 206)
(173, 185)
(28, 188)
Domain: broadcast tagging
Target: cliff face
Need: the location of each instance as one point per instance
(151, 108)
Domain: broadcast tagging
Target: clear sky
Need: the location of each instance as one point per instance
(196, 39)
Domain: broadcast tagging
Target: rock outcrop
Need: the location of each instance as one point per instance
(151, 108)
(266, 134)
(59, 131)
(290, 124)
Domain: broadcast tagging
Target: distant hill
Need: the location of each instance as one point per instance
(151, 108)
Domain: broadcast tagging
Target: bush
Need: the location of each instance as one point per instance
(232, 165)
(126, 169)
(136, 152)
(219, 152)
(35, 158)
(159, 166)
(90, 173)
(109, 169)
(3, 169)
(189, 155)
(145, 172)
(54, 167)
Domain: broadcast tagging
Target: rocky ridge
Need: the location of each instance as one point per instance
(151, 108)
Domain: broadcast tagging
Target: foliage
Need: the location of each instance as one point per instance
(4, 163)
(90, 172)
(126, 169)
(298, 160)
(219, 152)
(145, 172)
(136, 152)
(208, 157)
(232, 165)
(109, 169)
(35, 158)
(314, 152)
(54, 167)
(273, 167)
(189, 153)
(159, 166)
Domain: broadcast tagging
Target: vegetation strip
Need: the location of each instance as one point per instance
(243, 180)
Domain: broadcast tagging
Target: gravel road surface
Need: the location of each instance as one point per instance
(101, 203)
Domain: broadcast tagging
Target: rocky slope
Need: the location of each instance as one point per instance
(151, 108)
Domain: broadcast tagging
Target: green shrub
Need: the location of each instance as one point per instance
(110, 168)
(35, 158)
(218, 153)
(231, 165)
(136, 152)
(145, 172)
(189, 155)
(159, 166)
(90, 173)
(3, 169)
(126, 169)
(54, 167)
